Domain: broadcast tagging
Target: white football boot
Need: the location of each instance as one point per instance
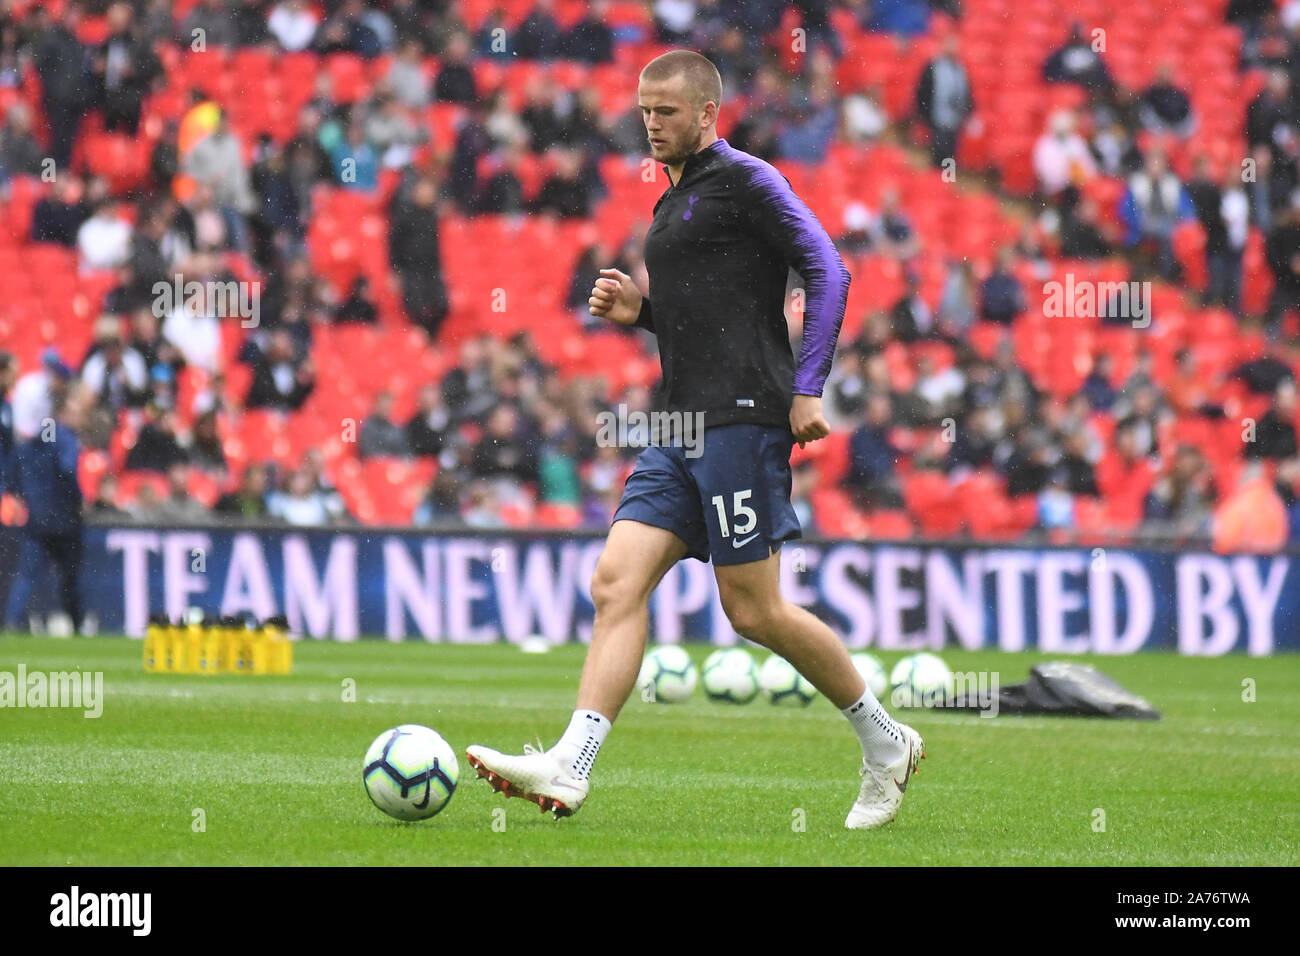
(535, 776)
(883, 785)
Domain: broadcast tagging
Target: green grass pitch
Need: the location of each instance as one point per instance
(274, 763)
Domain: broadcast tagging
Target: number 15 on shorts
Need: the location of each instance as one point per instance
(743, 516)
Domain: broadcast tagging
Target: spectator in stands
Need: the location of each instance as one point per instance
(538, 35)
(123, 70)
(20, 154)
(348, 32)
(1010, 381)
(180, 506)
(414, 254)
(206, 451)
(894, 234)
(943, 99)
(455, 83)
(1001, 296)
(380, 436)
(358, 306)
(1028, 469)
(104, 240)
(938, 390)
(61, 63)
(157, 446)
(857, 236)
(1081, 231)
(1098, 387)
(1078, 62)
(1114, 146)
(557, 458)
(1055, 503)
(1182, 497)
(1153, 206)
(115, 374)
(1164, 108)
(407, 78)
(217, 161)
(804, 480)
(1271, 117)
(814, 122)
(356, 161)
(1252, 519)
(441, 504)
(105, 507)
(872, 478)
(279, 380)
(391, 131)
(865, 120)
(426, 431)
(590, 40)
(293, 24)
(564, 193)
(1061, 156)
(1275, 435)
(911, 317)
(8, 375)
(192, 325)
(467, 389)
(1282, 250)
(1139, 408)
(502, 453)
(249, 500)
(1076, 463)
(300, 503)
(758, 130)
(212, 23)
(973, 443)
(145, 507)
(58, 216)
(845, 394)
(1125, 475)
(1224, 214)
(957, 302)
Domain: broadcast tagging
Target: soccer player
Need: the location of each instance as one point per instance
(725, 234)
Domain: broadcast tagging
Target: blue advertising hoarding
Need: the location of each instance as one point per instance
(480, 587)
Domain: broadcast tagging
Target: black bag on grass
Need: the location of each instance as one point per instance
(1063, 688)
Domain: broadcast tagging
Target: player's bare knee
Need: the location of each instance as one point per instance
(612, 591)
(751, 618)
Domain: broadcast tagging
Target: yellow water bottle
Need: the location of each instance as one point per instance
(279, 646)
(210, 646)
(153, 643)
(193, 641)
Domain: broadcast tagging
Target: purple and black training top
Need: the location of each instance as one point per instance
(719, 252)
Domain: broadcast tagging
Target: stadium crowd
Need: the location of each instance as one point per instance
(504, 436)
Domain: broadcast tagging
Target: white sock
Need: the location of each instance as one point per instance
(882, 741)
(578, 747)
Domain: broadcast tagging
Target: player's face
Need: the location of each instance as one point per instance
(674, 127)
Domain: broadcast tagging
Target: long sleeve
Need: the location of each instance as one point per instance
(783, 219)
(645, 319)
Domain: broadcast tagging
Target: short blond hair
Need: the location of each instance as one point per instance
(703, 81)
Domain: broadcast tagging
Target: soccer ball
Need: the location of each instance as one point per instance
(730, 676)
(873, 672)
(920, 680)
(667, 675)
(410, 772)
(783, 684)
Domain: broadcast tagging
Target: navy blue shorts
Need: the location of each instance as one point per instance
(732, 502)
